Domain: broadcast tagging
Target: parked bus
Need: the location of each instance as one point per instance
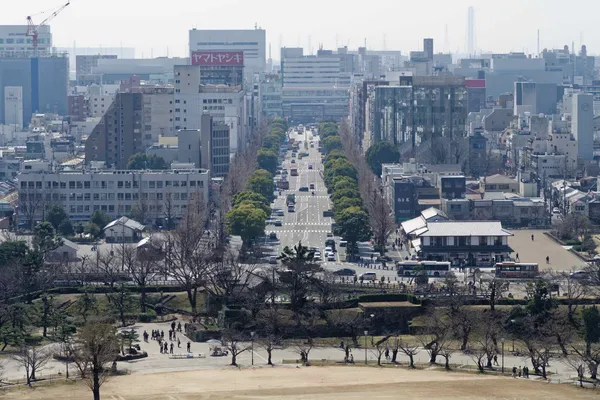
(431, 268)
(516, 270)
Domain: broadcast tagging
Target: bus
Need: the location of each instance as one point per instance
(431, 268)
(294, 171)
(516, 270)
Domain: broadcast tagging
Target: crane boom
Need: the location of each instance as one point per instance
(32, 29)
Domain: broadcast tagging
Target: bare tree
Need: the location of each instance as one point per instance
(31, 204)
(578, 363)
(187, 247)
(380, 347)
(109, 266)
(437, 334)
(142, 266)
(97, 348)
(350, 323)
(411, 350)
(229, 280)
(270, 342)
(381, 218)
(232, 341)
(33, 359)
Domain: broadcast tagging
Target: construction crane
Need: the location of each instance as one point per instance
(32, 29)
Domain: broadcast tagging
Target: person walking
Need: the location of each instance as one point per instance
(178, 343)
(189, 347)
(547, 259)
(514, 372)
(520, 371)
(170, 335)
(171, 349)
(173, 325)
(495, 359)
(179, 326)
(532, 237)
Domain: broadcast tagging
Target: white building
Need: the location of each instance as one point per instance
(250, 41)
(158, 113)
(151, 195)
(13, 38)
(123, 230)
(98, 104)
(13, 106)
(224, 103)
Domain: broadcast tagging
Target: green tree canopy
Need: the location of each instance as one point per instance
(327, 129)
(45, 238)
(272, 142)
(350, 193)
(255, 199)
(339, 168)
(331, 143)
(299, 275)
(346, 202)
(334, 155)
(261, 182)
(344, 182)
(382, 153)
(100, 218)
(12, 250)
(267, 160)
(246, 221)
(353, 225)
(143, 161)
(56, 215)
(66, 228)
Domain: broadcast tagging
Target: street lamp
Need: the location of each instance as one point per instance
(252, 337)
(502, 340)
(366, 334)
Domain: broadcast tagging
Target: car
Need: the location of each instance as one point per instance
(277, 223)
(293, 161)
(344, 272)
(310, 166)
(317, 257)
(279, 213)
(368, 276)
(312, 186)
(273, 236)
(328, 249)
(303, 189)
(343, 243)
(329, 234)
(331, 257)
(555, 211)
(273, 260)
(579, 275)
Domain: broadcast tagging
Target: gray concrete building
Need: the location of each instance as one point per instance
(583, 124)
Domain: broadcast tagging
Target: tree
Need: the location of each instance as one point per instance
(331, 143)
(382, 220)
(411, 350)
(350, 323)
(353, 225)
(261, 182)
(47, 310)
(31, 202)
(141, 266)
(256, 199)
(267, 160)
(66, 228)
(272, 141)
(338, 168)
(33, 359)
(100, 219)
(121, 302)
(437, 336)
(298, 276)
(229, 280)
(93, 230)
(56, 215)
(45, 239)
(246, 221)
(85, 305)
(142, 161)
(97, 348)
(232, 340)
(381, 153)
(187, 251)
(346, 202)
(129, 337)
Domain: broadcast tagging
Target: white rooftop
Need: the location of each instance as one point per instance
(128, 222)
(465, 228)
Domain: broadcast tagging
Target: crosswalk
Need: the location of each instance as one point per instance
(285, 231)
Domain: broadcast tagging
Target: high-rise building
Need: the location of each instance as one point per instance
(118, 135)
(583, 124)
(428, 48)
(44, 81)
(535, 98)
(224, 44)
(157, 112)
(14, 39)
(226, 104)
(77, 107)
(13, 105)
(471, 31)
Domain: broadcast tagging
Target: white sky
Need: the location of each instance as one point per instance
(152, 26)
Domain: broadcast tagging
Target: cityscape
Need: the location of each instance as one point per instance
(305, 221)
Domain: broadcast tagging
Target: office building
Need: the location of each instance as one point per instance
(476, 94)
(157, 112)
(269, 94)
(251, 42)
(13, 106)
(44, 81)
(431, 105)
(157, 70)
(226, 104)
(535, 98)
(84, 66)
(583, 124)
(428, 49)
(156, 194)
(118, 135)
(314, 87)
(77, 105)
(14, 39)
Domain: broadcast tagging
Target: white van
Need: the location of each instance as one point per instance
(368, 276)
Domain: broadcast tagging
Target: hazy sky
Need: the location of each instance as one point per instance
(153, 25)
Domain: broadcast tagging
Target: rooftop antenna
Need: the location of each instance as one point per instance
(365, 43)
(538, 42)
(446, 39)
(309, 45)
(256, 25)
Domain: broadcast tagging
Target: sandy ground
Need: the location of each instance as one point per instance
(542, 246)
(310, 383)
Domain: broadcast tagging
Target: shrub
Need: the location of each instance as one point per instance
(147, 316)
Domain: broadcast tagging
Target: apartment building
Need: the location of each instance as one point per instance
(118, 135)
(155, 194)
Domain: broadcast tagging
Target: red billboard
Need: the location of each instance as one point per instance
(218, 58)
